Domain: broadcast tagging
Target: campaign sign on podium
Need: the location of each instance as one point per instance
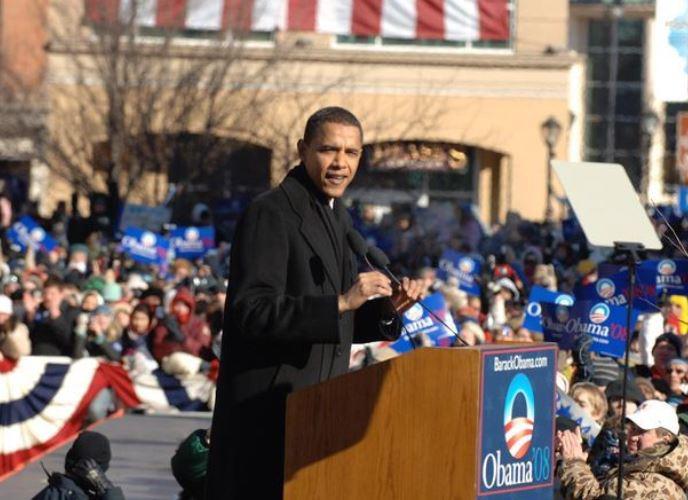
(516, 458)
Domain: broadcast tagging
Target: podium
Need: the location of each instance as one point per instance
(435, 423)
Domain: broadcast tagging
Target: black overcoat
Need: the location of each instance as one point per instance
(282, 331)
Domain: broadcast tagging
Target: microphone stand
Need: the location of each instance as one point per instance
(391, 275)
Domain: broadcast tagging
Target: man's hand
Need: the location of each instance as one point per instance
(89, 474)
(407, 294)
(366, 286)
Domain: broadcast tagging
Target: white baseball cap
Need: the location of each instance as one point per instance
(6, 304)
(655, 414)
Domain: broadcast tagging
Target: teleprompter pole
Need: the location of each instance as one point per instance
(631, 252)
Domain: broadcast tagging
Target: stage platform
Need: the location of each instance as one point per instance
(142, 446)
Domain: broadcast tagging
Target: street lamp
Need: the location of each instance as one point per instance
(648, 124)
(550, 129)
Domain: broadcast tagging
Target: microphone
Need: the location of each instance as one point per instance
(380, 261)
(361, 249)
(357, 243)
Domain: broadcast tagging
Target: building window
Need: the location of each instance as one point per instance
(629, 94)
(197, 34)
(384, 42)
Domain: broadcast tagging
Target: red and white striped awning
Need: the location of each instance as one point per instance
(407, 19)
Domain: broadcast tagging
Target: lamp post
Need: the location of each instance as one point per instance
(550, 129)
(648, 126)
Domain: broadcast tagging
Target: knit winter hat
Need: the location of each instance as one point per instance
(90, 444)
(670, 338)
(112, 292)
(633, 393)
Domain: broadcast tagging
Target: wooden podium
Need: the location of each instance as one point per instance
(412, 427)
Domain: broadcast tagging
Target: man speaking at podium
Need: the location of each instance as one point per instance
(294, 306)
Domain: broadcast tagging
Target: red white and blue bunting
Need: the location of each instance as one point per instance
(44, 400)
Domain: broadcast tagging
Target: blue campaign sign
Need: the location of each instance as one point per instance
(683, 199)
(613, 290)
(145, 246)
(571, 230)
(417, 320)
(461, 267)
(26, 231)
(606, 325)
(516, 458)
(671, 275)
(192, 242)
(538, 296)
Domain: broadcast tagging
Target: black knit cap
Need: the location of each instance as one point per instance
(90, 444)
(633, 393)
(670, 338)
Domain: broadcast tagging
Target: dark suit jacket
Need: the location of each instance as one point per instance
(282, 331)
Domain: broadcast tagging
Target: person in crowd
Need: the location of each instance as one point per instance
(667, 346)
(614, 393)
(52, 331)
(675, 381)
(120, 321)
(648, 390)
(657, 468)
(97, 343)
(190, 464)
(14, 335)
(86, 463)
(591, 399)
(90, 300)
(195, 334)
(77, 267)
(136, 354)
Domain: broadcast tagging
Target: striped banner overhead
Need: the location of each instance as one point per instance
(407, 19)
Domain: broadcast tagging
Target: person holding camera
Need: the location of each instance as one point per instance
(84, 478)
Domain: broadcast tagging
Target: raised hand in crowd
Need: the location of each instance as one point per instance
(568, 444)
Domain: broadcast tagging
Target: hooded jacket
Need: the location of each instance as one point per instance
(661, 471)
(196, 333)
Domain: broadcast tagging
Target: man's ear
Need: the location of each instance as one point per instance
(301, 148)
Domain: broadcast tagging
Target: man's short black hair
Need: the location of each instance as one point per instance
(330, 114)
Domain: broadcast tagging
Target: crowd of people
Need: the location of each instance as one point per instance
(86, 297)
(522, 254)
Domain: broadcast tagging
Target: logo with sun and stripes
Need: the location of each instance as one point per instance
(466, 265)
(666, 267)
(605, 288)
(599, 313)
(518, 431)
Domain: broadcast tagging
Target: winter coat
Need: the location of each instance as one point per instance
(661, 471)
(290, 261)
(62, 487)
(195, 340)
(192, 337)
